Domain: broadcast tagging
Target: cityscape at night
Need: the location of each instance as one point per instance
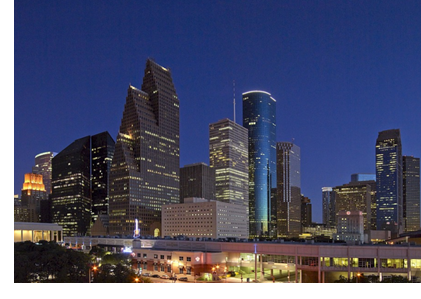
(210, 141)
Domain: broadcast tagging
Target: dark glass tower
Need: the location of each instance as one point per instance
(259, 117)
(289, 189)
(71, 197)
(102, 155)
(389, 196)
(328, 202)
(411, 193)
(197, 180)
(145, 168)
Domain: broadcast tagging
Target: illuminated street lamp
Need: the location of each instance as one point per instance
(94, 268)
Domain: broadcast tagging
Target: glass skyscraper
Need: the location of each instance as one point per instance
(411, 193)
(389, 190)
(328, 202)
(259, 117)
(288, 189)
(145, 171)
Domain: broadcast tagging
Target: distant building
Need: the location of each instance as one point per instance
(259, 117)
(35, 232)
(350, 227)
(355, 196)
(228, 155)
(198, 217)
(306, 211)
(197, 180)
(145, 171)
(328, 202)
(411, 193)
(359, 177)
(389, 189)
(33, 193)
(289, 189)
(43, 166)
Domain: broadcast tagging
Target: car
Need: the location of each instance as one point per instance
(146, 274)
(155, 276)
(164, 276)
(173, 278)
(182, 279)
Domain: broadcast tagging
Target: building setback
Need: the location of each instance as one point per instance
(145, 170)
(259, 117)
(389, 190)
(411, 193)
(289, 189)
(197, 180)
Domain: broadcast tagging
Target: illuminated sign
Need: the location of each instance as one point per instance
(136, 232)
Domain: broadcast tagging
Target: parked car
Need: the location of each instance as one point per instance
(155, 276)
(165, 276)
(146, 274)
(173, 278)
(183, 278)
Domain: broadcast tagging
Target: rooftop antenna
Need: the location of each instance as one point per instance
(233, 88)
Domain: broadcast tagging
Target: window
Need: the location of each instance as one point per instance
(155, 256)
(162, 257)
(145, 255)
(180, 258)
(189, 259)
(168, 257)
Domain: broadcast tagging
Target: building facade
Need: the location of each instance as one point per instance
(259, 117)
(201, 218)
(197, 180)
(33, 194)
(71, 202)
(328, 209)
(411, 193)
(145, 170)
(350, 227)
(43, 166)
(389, 189)
(102, 147)
(228, 155)
(288, 176)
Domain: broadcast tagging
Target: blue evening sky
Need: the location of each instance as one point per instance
(341, 71)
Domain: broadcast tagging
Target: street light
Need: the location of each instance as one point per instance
(94, 268)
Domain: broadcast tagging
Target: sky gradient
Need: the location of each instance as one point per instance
(340, 71)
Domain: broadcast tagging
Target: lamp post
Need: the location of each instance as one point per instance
(94, 268)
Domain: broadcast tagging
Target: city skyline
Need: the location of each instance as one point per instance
(340, 73)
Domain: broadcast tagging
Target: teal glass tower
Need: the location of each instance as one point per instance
(259, 117)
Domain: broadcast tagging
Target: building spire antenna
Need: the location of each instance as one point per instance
(233, 89)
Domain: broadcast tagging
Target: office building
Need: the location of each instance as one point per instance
(328, 202)
(197, 180)
(102, 154)
(355, 196)
(389, 190)
(71, 189)
(360, 177)
(259, 117)
(306, 212)
(201, 218)
(411, 193)
(145, 170)
(33, 193)
(228, 155)
(43, 166)
(350, 227)
(289, 189)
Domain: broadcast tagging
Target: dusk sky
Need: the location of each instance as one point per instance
(340, 71)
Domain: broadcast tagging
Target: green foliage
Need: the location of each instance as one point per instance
(49, 262)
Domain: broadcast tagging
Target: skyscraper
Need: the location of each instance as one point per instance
(33, 193)
(80, 183)
(359, 177)
(102, 154)
(389, 192)
(197, 180)
(145, 168)
(43, 166)
(228, 155)
(411, 193)
(71, 194)
(259, 117)
(328, 202)
(289, 189)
